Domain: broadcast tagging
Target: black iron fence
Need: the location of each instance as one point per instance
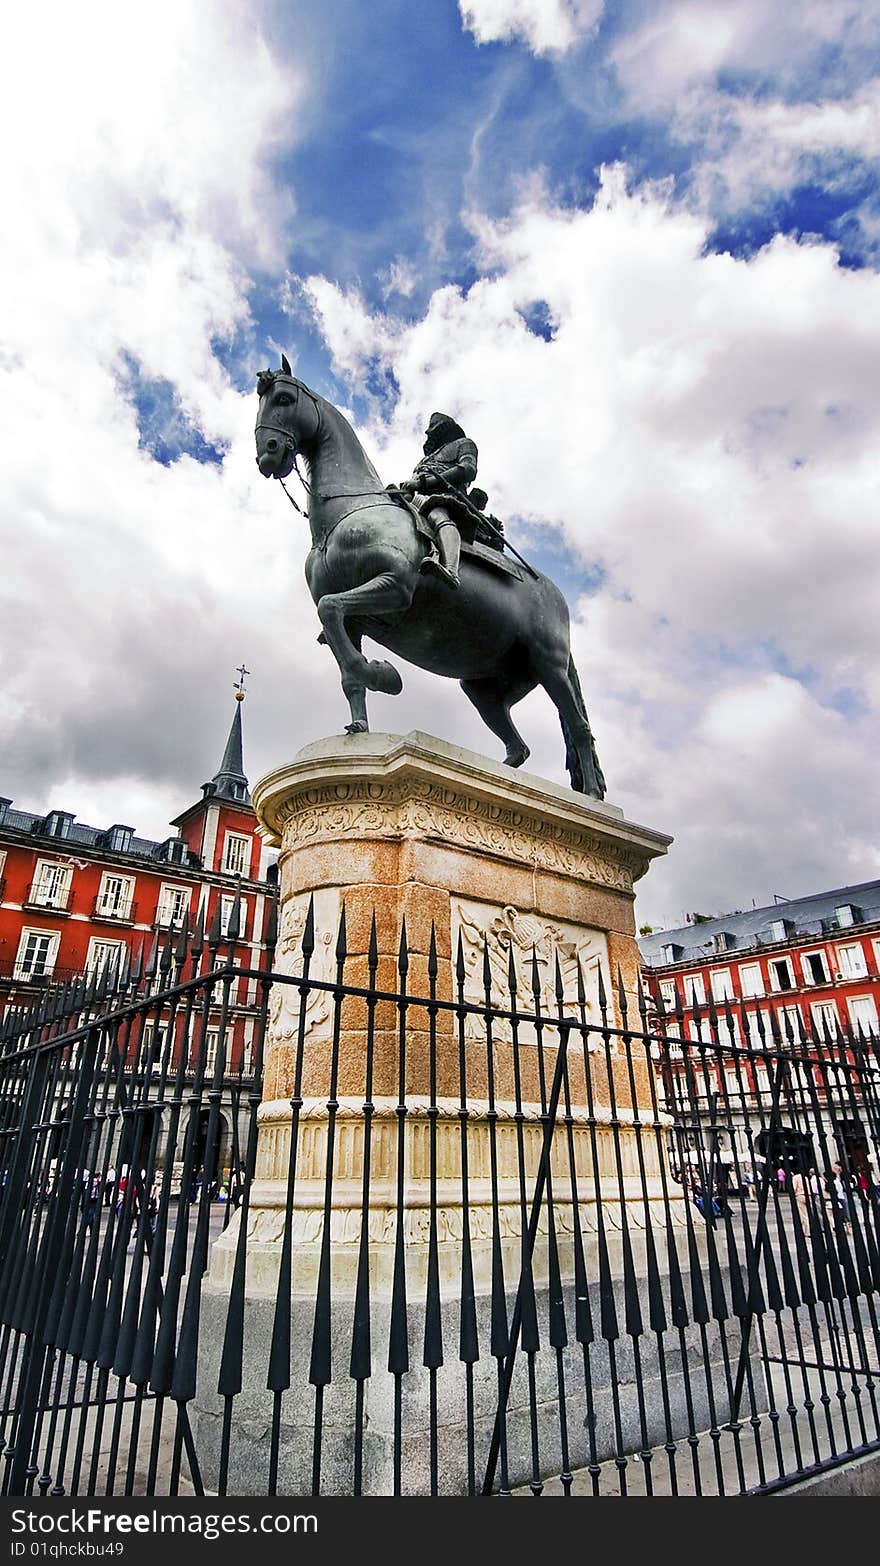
(467, 1234)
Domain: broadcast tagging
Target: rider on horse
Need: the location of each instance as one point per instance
(440, 481)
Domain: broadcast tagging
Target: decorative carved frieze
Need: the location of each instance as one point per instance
(416, 807)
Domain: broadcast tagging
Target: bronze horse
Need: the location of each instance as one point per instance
(502, 633)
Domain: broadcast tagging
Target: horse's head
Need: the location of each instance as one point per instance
(286, 420)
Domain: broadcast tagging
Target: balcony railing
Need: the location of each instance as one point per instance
(121, 912)
(39, 897)
(169, 918)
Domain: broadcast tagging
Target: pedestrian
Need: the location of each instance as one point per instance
(109, 1183)
(781, 1177)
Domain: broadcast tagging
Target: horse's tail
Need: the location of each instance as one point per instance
(572, 759)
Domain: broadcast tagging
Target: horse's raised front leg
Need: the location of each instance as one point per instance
(384, 594)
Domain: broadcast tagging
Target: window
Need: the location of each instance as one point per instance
(824, 1018)
(790, 1024)
(815, 971)
(37, 951)
(103, 955)
(778, 929)
(114, 898)
(752, 1029)
(751, 979)
(722, 984)
(852, 962)
(701, 1032)
(211, 1038)
(863, 1013)
(781, 974)
(667, 991)
(845, 915)
(227, 903)
(694, 989)
(51, 884)
(236, 854)
(173, 905)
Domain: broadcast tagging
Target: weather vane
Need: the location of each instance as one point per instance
(241, 671)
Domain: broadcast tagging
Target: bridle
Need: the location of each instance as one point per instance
(290, 445)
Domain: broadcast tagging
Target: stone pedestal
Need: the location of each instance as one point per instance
(412, 830)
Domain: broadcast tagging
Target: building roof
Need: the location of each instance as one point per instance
(745, 930)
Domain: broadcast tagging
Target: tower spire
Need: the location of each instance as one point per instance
(229, 781)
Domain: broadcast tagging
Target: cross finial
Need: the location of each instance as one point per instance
(241, 671)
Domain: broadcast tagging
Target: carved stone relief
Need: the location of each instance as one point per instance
(535, 944)
(284, 1001)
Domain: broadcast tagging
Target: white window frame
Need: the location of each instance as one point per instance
(808, 978)
(227, 903)
(694, 989)
(168, 891)
(817, 1010)
(212, 1039)
(668, 993)
(797, 1021)
(775, 987)
(851, 961)
(721, 980)
(853, 1001)
(753, 1037)
(54, 938)
(126, 882)
(99, 950)
(746, 968)
(243, 842)
(64, 873)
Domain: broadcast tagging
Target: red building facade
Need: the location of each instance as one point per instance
(75, 898)
(802, 975)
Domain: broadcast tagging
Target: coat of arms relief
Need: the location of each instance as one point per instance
(536, 943)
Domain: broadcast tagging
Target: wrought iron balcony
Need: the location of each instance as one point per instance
(123, 911)
(52, 901)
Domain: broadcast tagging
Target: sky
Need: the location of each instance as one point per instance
(633, 247)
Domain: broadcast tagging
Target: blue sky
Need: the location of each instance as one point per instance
(633, 246)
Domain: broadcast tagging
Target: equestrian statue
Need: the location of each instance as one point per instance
(423, 570)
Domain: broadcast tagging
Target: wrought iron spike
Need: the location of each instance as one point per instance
(487, 971)
(233, 927)
(560, 987)
(197, 944)
(432, 954)
(581, 986)
(307, 946)
(373, 945)
(403, 950)
(182, 948)
(270, 934)
(511, 971)
(153, 959)
(342, 937)
(603, 998)
(460, 970)
(215, 933)
(165, 954)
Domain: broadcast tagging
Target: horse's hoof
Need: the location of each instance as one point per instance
(382, 676)
(515, 758)
(357, 728)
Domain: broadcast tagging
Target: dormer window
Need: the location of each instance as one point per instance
(58, 823)
(845, 915)
(119, 839)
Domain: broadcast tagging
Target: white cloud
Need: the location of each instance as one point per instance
(763, 101)
(688, 43)
(136, 190)
(547, 26)
(706, 430)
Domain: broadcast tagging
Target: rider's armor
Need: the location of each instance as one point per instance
(440, 482)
